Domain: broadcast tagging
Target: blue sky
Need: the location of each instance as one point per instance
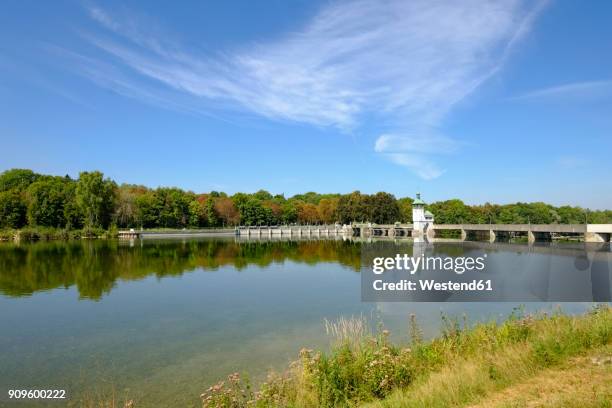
(485, 101)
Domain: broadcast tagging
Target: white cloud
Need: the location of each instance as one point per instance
(573, 90)
(406, 62)
(431, 143)
(421, 165)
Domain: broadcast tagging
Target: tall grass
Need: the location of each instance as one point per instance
(461, 366)
(352, 330)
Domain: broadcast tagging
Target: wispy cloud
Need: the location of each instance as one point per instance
(572, 90)
(405, 62)
(421, 165)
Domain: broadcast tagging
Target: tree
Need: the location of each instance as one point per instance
(310, 197)
(72, 212)
(327, 210)
(571, 215)
(147, 211)
(276, 212)
(96, 198)
(46, 200)
(12, 209)
(405, 209)
(197, 214)
(227, 211)
(353, 207)
(125, 210)
(173, 206)
(252, 212)
(307, 213)
(290, 213)
(262, 195)
(451, 212)
(18, 179)
(383, 208)
(211, 213)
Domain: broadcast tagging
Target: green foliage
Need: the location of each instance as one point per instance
(18, 179)
(197, 214)
(290, 214)
(252, 212)
(383, 208)
(12, 209)
(92, 202)
(172, 205)
(95, 197)
(353, 207)
(451, 212)
(405, 208)
(210, 212)
(47, 198)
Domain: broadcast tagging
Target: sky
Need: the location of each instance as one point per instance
(496, 101)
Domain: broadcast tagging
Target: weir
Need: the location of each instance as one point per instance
(468, 232)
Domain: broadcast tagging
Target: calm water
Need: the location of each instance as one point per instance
(163, 320)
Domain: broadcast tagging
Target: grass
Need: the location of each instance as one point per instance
(32, 234)
(584, 381)
(464, 366)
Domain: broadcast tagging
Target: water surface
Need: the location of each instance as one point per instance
(160, 321)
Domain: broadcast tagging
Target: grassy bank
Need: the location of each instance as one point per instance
(462, 367)
(33, 234)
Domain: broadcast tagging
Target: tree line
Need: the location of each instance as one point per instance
(29, 199)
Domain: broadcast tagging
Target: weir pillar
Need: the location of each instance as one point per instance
(596, 237)
(530, 237)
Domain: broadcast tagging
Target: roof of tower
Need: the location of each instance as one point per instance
(418, 200)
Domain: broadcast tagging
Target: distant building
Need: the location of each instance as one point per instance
(421, 218)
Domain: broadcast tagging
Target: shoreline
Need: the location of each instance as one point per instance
(465, 365)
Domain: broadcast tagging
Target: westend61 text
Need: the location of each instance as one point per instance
(404, 262)
(432, 285)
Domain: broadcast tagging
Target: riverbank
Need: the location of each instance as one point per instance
(33, 234)
(484, 364)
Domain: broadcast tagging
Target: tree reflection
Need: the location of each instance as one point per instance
(95, 266)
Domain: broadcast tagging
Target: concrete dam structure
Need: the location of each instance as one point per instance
(491, 232)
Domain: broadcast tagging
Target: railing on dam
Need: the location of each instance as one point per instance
(492, 232)
(291, 230)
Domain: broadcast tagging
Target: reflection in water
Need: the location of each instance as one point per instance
(568, 272)
(167, 340)
(95, 266)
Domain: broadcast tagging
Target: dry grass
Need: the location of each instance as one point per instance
(584, 382)
(520, 375)
(343, 330)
